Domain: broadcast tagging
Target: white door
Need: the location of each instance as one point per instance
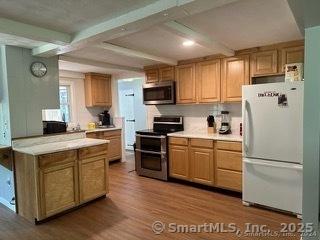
(126, 98)
(273, 184)
(273, 131)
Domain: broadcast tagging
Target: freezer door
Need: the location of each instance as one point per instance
(273, 184)
(273, 121)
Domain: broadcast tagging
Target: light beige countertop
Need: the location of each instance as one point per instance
(60, 146)
(102, 129)
(205, 135)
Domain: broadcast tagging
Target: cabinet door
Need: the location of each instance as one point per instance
(114, 149)
(179, 162)
(186, 84)
(101, 91)
(202, 167)
(291, 55)
(208, 81)
(152, 75)
(235, 73)
(264, 63)
(166, 74)
(58, 189)
(93, 178)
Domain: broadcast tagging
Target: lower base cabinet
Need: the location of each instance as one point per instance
(208, 162)
(52, 183)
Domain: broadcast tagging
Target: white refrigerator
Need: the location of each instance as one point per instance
(273, 145)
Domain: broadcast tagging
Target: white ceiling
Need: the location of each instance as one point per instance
(67, 15)
(238, 25)
(6, 39)
(104, 55)
(247, 23)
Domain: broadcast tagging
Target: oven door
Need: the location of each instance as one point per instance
(159, 93)
(151, 156)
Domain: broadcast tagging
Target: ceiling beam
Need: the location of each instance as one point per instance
(133, 53)
(33, 32)
(98, 64)
(137, 20)
(201, 39)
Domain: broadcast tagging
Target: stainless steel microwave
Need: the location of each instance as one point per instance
(159, 93)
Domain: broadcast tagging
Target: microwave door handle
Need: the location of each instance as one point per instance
(150, 152)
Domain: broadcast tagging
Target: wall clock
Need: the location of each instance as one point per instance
(38, 69)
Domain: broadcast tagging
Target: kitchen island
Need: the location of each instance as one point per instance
(58, 173)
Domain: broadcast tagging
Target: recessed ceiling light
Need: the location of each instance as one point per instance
(188, 43)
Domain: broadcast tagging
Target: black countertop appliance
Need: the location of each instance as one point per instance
(104, 119)
(50, 127)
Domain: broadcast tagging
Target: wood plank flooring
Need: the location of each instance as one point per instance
(132, 206)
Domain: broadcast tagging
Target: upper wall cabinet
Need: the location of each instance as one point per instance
(152, 75)
(156, 74)
(234, 74)
(264, 63)
(291, 55)
(186, 83)
(208, 81)
(98, 90)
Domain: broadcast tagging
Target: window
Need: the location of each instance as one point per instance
(65, 103)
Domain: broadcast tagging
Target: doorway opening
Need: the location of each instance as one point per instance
(131, 108)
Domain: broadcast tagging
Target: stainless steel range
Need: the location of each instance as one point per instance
(152, 149)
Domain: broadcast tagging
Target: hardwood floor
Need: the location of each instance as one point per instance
(132, 206)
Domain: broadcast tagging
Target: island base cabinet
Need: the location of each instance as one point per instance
(58, 189)
(93, 178)
(49, 184)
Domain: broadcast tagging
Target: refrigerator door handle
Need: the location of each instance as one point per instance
(245, 144)
(295, 167)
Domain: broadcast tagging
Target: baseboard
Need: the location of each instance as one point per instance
(7, 204)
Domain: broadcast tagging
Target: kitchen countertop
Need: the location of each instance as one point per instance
(102, 129)
(3, 147)
(52, 147)
(205, 135)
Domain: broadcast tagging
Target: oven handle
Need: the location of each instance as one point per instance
(151, 152)
(148, 136)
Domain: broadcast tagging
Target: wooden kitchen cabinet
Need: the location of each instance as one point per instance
(186, 83)
(166, 74)
(208, 81)
(58, 183)
(98, 90)
(291, 55)
(93, 172)
(49, 184)
(115, 145)
(202, 161)
(152, 75)
(234, 74)
(229, 165)
(264, 63)
(179, 159)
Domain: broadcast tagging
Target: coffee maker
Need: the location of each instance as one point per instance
(225, 123)
(104, 119)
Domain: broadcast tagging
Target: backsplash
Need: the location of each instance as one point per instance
(195, 116)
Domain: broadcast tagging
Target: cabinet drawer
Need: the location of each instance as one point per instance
(229, 160)
(53, 159)
(89, 152)
(178, 141)
(229, 179)
(112, 133)
(231, 146)
(196, 142)
(95, 135)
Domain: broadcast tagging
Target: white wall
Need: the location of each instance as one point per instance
(80, 113)
(195, 116)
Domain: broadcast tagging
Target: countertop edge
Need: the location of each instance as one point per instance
(102, 130)
(76, 147)
(230, 138)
